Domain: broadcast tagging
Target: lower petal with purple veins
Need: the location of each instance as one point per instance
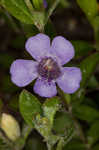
(45, 88)
(23, 72)
(69, 82)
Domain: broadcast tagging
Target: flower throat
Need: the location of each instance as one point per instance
(48, 69)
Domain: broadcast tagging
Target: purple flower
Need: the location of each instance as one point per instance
(45, 3)
(48, 66)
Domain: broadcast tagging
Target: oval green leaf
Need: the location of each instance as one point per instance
(90, 8)
(18, 9)
(29, 106)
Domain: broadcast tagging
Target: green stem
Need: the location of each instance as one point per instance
(60, 145)
(30, 6)
(49, 147)
(50, 11)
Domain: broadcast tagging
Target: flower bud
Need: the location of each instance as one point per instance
(10, 126)
(45, 3)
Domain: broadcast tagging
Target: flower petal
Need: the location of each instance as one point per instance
(44, 88)
(23, 72)
(38, 45)
(69, 82)
(63, 49)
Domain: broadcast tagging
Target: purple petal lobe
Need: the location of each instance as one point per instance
(63, 49)
(23, 72)
(69, 82)
(44, 88)
(38, 45)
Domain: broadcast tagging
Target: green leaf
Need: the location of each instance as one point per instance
(86, 113)
(96, 30)
(39, 20)
(93, 133)
(88, 66)
(96, 22)
(65, 125)
(82, 48)
(42, 125)
(64, 3)
(90, 8)
(51, 9)
(38, 4)
(18, 9)
(50, 107)
(75, 145)
(29, 106)
(93, 82)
